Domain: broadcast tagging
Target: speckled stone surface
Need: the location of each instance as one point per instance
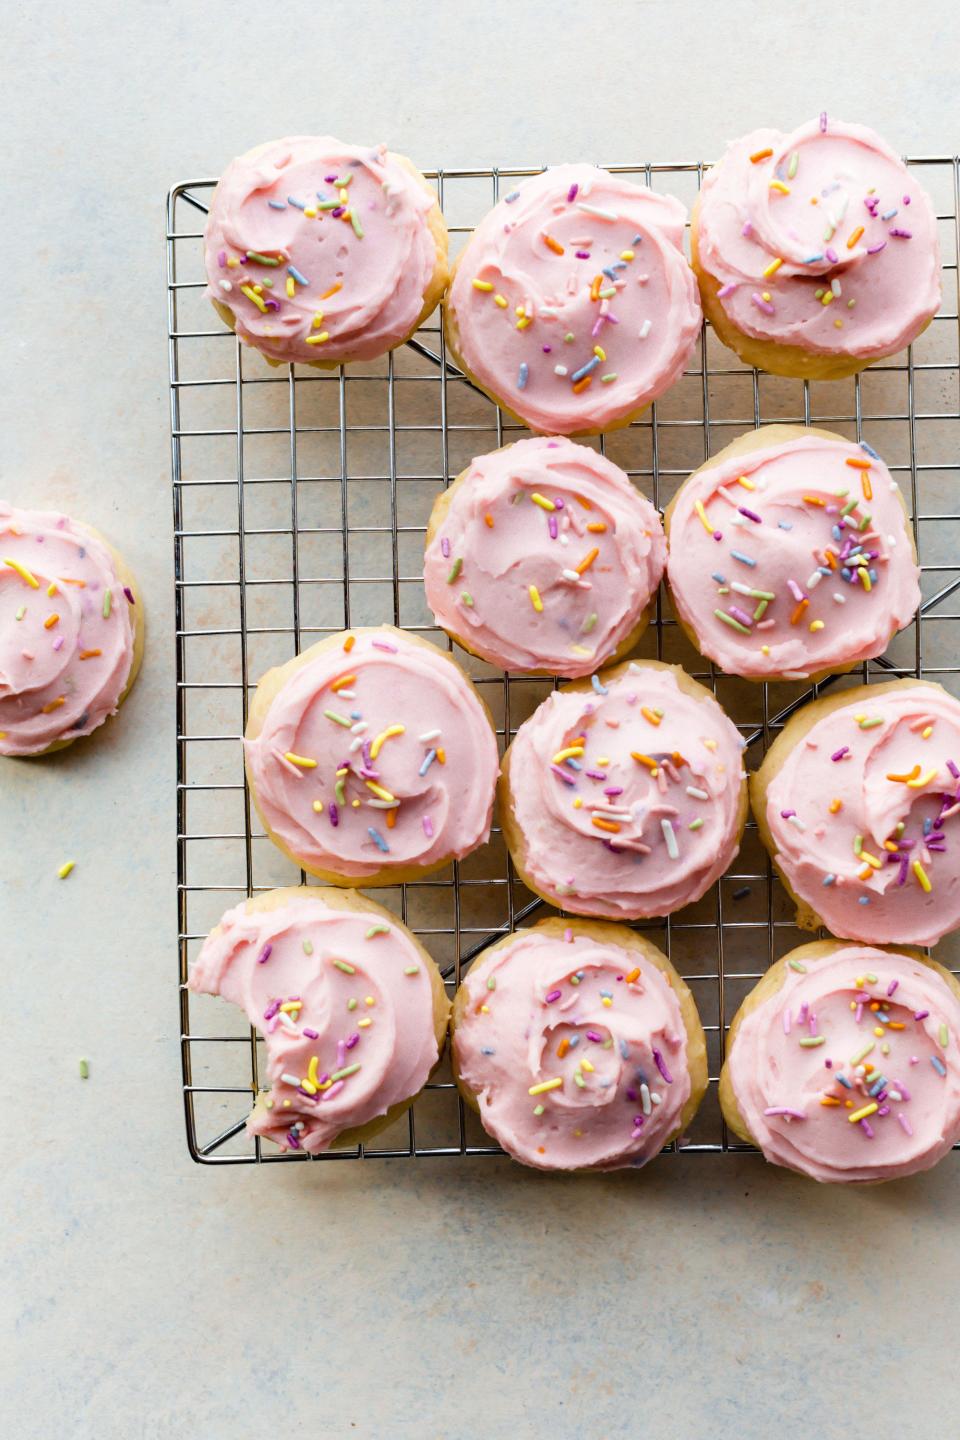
(144, 1296)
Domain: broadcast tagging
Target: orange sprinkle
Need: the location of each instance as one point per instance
(53, 705)
(835, 806)
(865, 486)
(632, 975)
(391, 819)
(583, 384)
(343, 682)
(582, 500)
(828, 1100)
(441, 755)
(595, 285)
(794, 618)
(488, 520)
(350, 641)
(650, 715)
(854, 237)
(865, 873)
(831, 559)
(66, 580)
(332, 291)
(895, 1025)
(553, 245)
(88, 654)
(857, 463)
(759, 155)
(563, 1047)
(647, 760)
(610, 825)
(50, 621)
(597, 527)
(587, 561)
(813, 500)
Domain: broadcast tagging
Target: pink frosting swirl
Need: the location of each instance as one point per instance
(798, 559)
(628, 797)
(559, 555)
(823, 1093)
(66, 633)
(573, 303)
(322, 250)
(378, 758)
(877, 866)
(344, 1003)
(555, 1009)
(820, 239)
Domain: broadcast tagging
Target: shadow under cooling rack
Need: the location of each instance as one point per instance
(301, 500)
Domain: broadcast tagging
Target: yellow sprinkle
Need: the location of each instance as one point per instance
(922, 876)
(626, 254)
(871, 860)
(232, 263)
(379, 791)
(387, 734)
(704, 517)
(546, 1085)
(65, 869)
(363, 1024)
(772, 268)
(291, 288)
(523, 323)
(24, 573)
(600, 353)
(318, 320)
(779, 185)
(52, 588)
(585, 1065)
(925, 734)
(747, 484)
(922, 780)
(320, 339)
(500, 300)
(605, 999)
(827, 298)
(816, 625)
(484, 285)
(565, 754)
(542, 501)
(535, 600)
(251, 294)
(301, 760)
(870, 1109)
(310, 212)
(578, 803)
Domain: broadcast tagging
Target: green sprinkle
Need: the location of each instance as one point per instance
(355, 222)
(84, 1069)
(944, 1034)
(794, 162)
(454, 570)
(107, 602)
(261, 259)
(870, 977)
(337, 719)
(857, 844)
(328, 204)
(865, 522)
(538, 1109)
(351, 1004)
(763, 595)
(695, 824)
(861, 1054)
(347, 1070)
(492, 982)
(729, 620)
(569, 338)
(579, 1080)
(809, 1042)
(574, 979)
(606, 379)
(340, 792)
(21, 612)
(658, 712)
(850, 505)
(342, 181)
(759, 612)
(308, 947)
(411, 970)
(347, 969)
(378, 929)
(588, 624)
(796, 965)
(467, 599)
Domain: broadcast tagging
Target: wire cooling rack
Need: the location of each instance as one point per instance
(301, 500)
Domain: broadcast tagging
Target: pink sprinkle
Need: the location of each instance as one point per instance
(222, 259)
(747, 229)
(428, 827)
(58, 643)
(334, 1090)
(762, 304)
(905, 1093)
(661, 1066)
(341, 1053)
(904, 1123)
(867, 1129)
(786, 1022)
(568, 935)
(445, 548)
(823, 122)
(831, 255)
(875, 249)
(271, 1010)
(384, 645)
(726, 290)
(552, 526)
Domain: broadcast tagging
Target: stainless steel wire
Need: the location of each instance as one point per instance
(300, 502)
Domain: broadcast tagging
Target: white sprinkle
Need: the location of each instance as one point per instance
(225, 285)
(560, 370)
(656, 1097)
(839, 599)
(673, 850)
(596, 210)
(571, 575)
(796, 821)
(359, 728)
(835, 287)
(287, 1023)
(645, 1099)
(429, 735)
(645, 329)
(697, 794)
(289, 1079)
(812, 583)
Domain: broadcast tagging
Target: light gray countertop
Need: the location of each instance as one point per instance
(150, 1297)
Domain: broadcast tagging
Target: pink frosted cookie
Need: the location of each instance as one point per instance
(841, 1063)
(351, 1007)
(816, 252)
(624, 796)
(572, 304)
(371, 758)
(71, 630)
(543, 556)
(579, 1046)
(791, 555)
(857, 801)
(320, 253)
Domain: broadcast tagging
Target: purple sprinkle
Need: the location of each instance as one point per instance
(595, 774)
(334, 814)
(582, 254)
(659, 1062)
(311, 1034)
(750, 514)
(306, 1095)
(265, 954)
(613, 790)
(445, 548)
(552, 526)
(875, 249)
(901, 234)
(330, 179)
(222, 259)
(920, 1014)
(892, 986)
(563, 775)
(595, 1036)
(353, 1040)
(546, 349)
(839, 754)
(572, 194)
(904, 1092)
(867, 1129)
(631, 1094)
(129, 594)
(831, 255)
(762, 304)
(954, 771)
(742, 616)
(823, 122)
(828, 1064)
(905, 1123)
(384, 645)
(558, 501)
(293, 1140)
(552, 996)
(338, 212)
(271, 1010)
(786, 814)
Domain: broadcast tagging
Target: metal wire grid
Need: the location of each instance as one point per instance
(348, 481)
